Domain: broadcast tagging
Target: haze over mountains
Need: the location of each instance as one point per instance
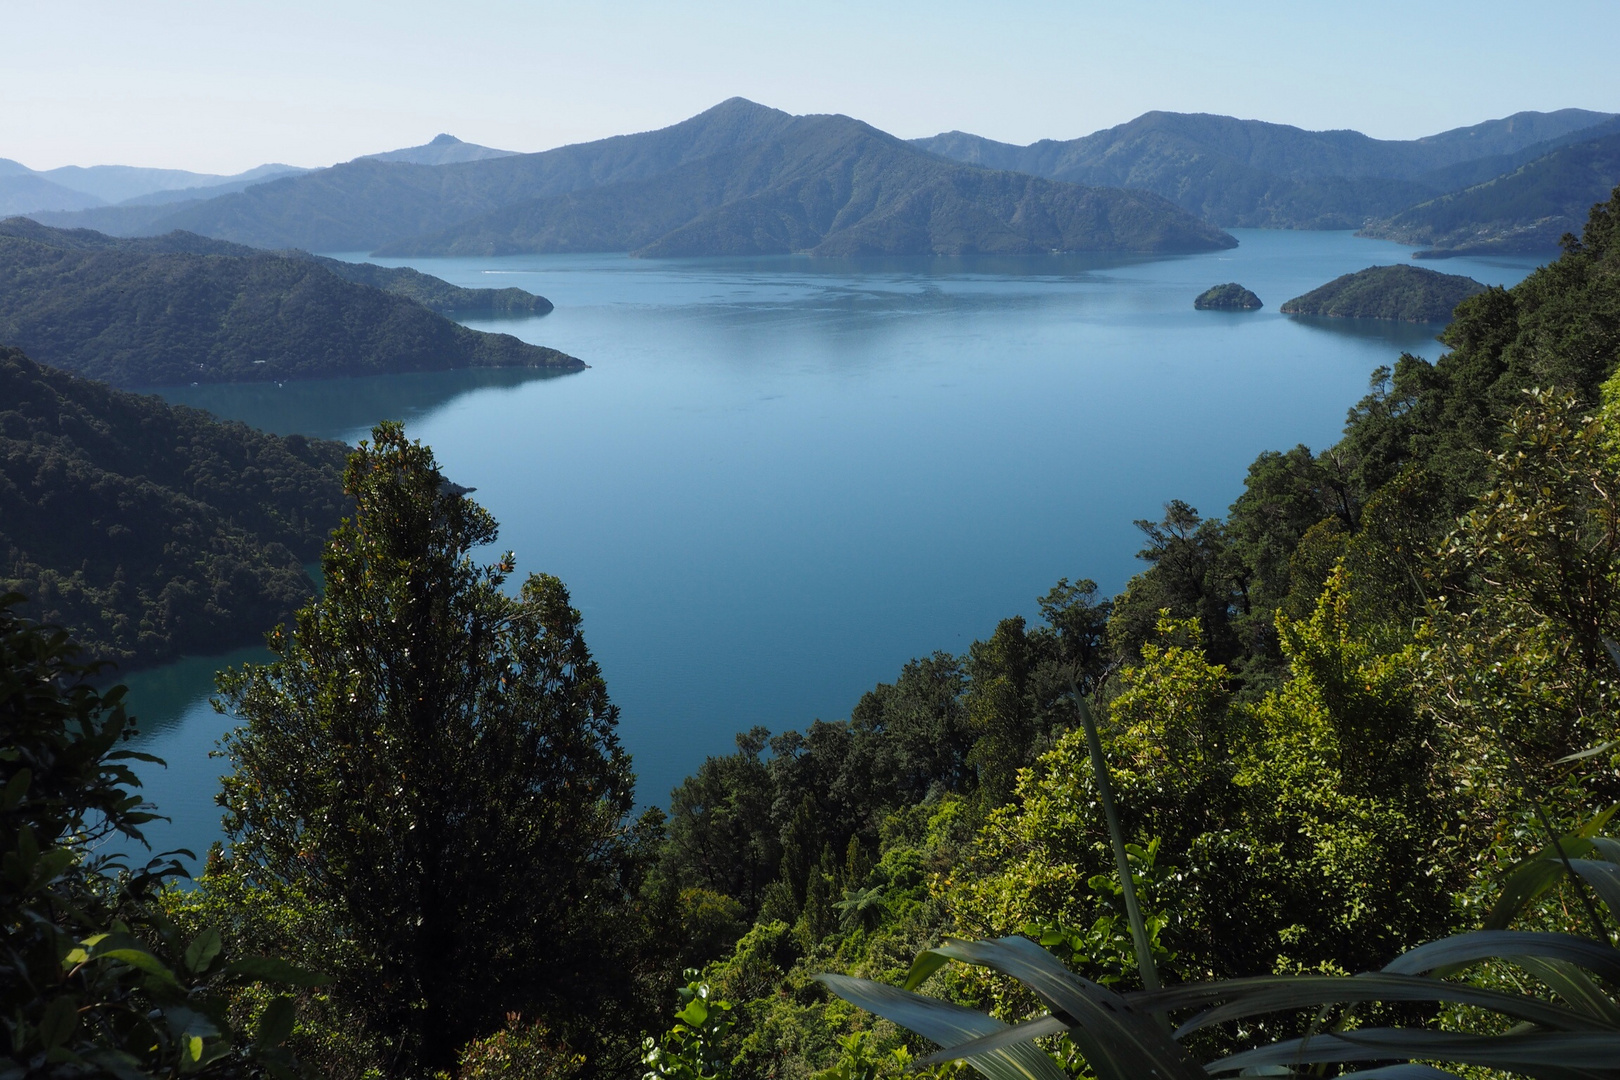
(75, 187)
(743, 179)
(1250, 174)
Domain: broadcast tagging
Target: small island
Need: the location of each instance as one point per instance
(1402, 293)
(1228, 297)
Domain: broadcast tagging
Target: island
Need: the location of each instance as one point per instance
(1228, 297)
(1401, 293)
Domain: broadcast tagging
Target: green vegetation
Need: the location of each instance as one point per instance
(175, 310)
(1228, 297)
(430, 767)
(1530, 208)
(95, 979)
(153, 530)
(1406, 293)
(1300, 745)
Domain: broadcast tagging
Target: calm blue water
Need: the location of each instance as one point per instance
(781, 478)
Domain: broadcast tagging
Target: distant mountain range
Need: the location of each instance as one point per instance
(74, 187)
(1250, 174)
(744, 179)
(738, 179)
(186, 308)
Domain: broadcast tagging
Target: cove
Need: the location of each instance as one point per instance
(781, 478)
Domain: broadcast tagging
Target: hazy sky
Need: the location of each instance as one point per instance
(222, 85)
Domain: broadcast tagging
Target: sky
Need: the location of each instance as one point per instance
(223, 85)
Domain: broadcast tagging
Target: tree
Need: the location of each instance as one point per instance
(94, 979)
(434, 764)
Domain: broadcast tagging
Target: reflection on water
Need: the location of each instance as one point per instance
(340, 408)
(783, 477)
(1400, 337)
(177, 723)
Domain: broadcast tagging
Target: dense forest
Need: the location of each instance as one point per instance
(1403, 293)
(179, 309)
(153, 530)
(1333, 722)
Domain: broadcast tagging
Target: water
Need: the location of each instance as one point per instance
(781, 478)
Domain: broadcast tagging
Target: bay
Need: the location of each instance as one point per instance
(783, 477)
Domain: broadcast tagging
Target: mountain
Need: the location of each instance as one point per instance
(443, 150)
(828, 185)
(153, 530)
(23, 191)
(1527, 210)
(226, 185)
(739, 177)
(185, 308)
(1403, 293)
(74, 187)
(1247, 173)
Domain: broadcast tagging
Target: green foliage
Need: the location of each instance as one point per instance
(1403, 293)
(694, 1048)
(1228, 297)
(131, 316)
(151, 529)
(519, 1051)
(433, 765)
(95, 979)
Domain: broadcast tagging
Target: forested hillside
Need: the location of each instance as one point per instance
(1527, 209)
(1250, 174)
(738, 178)
(153, 530)
(180, 309)
(1372, 706)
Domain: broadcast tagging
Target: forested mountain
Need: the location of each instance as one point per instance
(184, 308)
(828, 185)
(153, 530)
(444, 149)
(1246, 173)
(737, 178)
(1404, 293)
(1526, 210)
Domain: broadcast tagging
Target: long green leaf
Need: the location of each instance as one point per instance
(948, 1025)
(1236, 998)
(1604, 877)
(1028, 1031)
(1117, 1041)
(1463, 949)
(1407, 1071)
(1574, 986)
(1547, 1055)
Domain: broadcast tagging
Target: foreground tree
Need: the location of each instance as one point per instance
(434, 763)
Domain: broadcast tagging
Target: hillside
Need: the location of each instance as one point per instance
(1402, 293)
(183, 308)
(1527, 210)
(738, 177)
(153, 530)
(829, 185)
(1246, 173)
